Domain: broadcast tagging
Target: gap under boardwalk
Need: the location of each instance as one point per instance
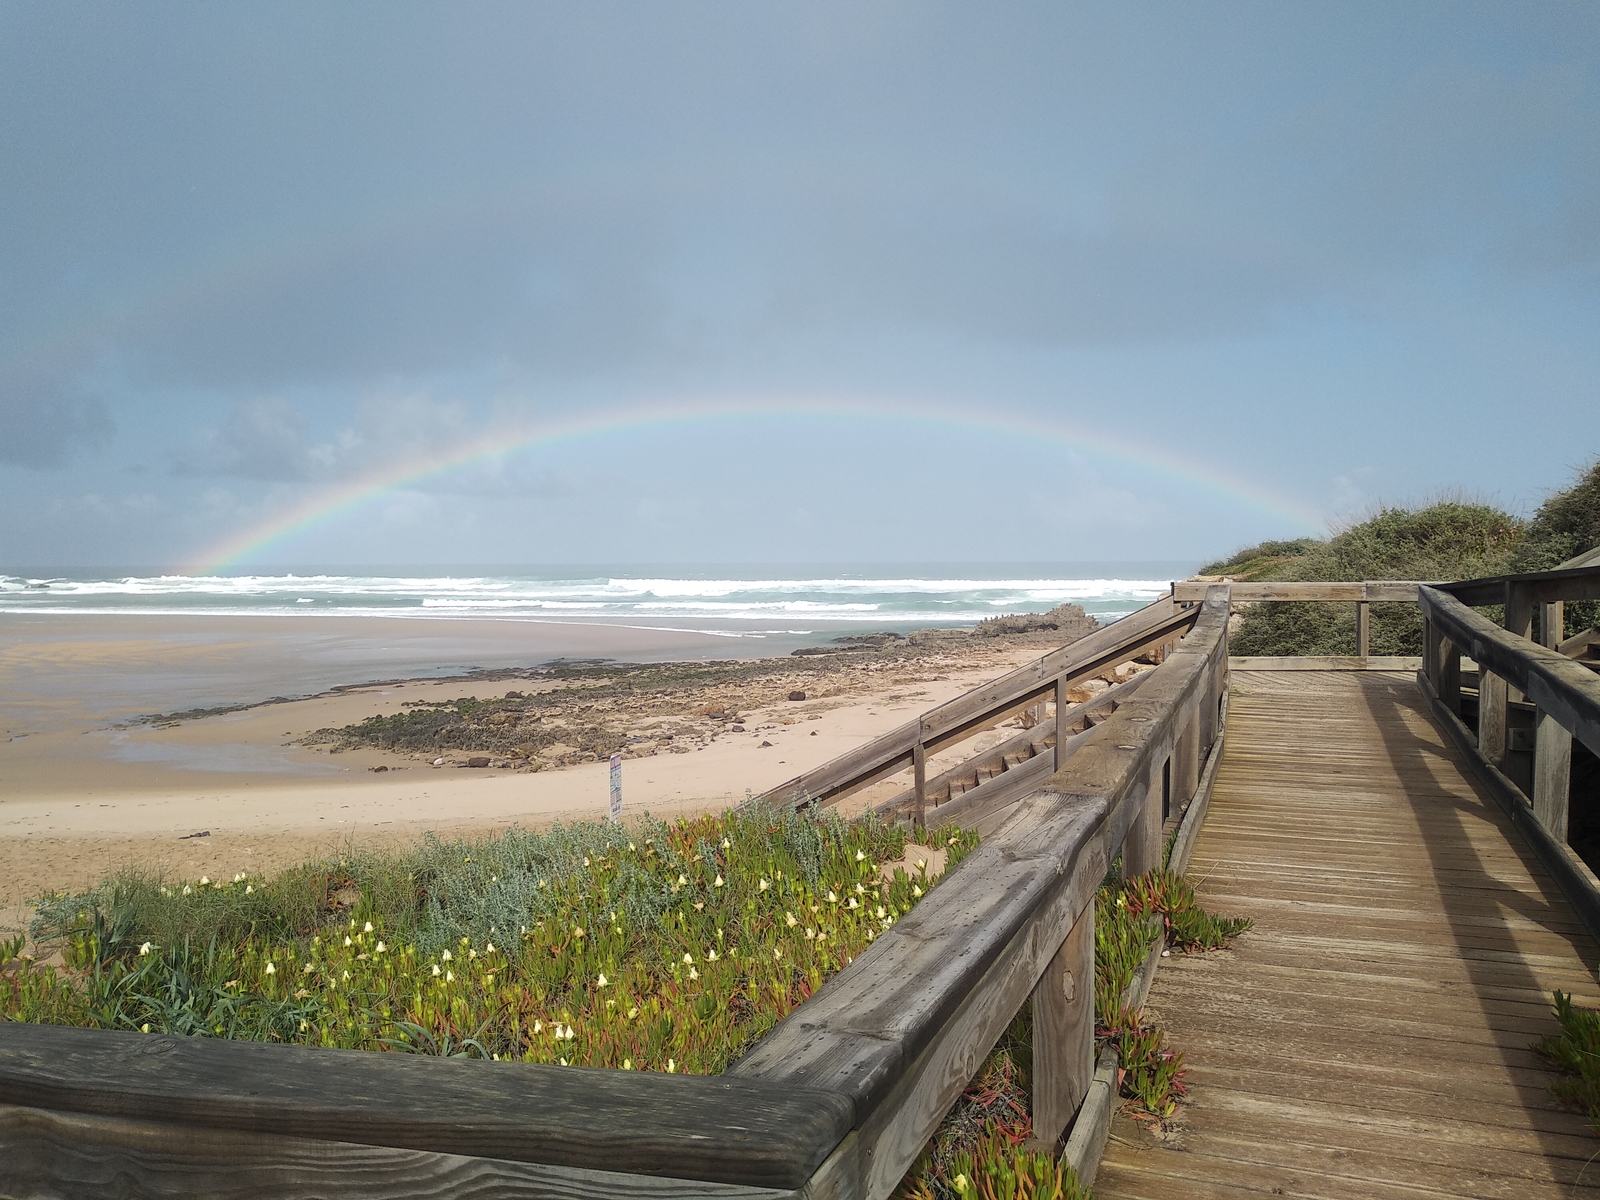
(1370, 1037)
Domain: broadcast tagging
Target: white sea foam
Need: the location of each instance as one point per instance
(875, 598)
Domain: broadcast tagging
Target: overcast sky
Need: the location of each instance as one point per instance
(943, 282)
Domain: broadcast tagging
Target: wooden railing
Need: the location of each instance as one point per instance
(1050, 677)
(1361, 593)
(836, 1102)
(1564, 694)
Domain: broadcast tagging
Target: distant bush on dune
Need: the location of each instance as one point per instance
(1449, 540)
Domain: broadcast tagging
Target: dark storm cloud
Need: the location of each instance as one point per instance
(43, 418)
(290, 244)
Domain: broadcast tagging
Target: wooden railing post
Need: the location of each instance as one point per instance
(1141, 850)
(1552, 774)
(1063, 1034)
(1362, 637)
(1519, 621)
(1062, 704)
(1186, 760)
(1552, 623)
(1491, 717)
(919, 782)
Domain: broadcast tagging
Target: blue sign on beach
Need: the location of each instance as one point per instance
(616, 787)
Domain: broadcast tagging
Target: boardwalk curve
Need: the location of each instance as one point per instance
(1371, 1036)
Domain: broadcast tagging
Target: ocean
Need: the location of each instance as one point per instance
(736, 601)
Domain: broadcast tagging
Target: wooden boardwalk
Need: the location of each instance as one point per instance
(1370, 1038)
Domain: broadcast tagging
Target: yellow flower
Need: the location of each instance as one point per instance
(627, 1063)
(672, 1066)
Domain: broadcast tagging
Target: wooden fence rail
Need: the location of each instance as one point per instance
(835, 1103)
(1564, 693)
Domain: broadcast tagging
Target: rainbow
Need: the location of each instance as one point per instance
(335, 500)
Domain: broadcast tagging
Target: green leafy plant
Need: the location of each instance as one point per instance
(1576, 1052)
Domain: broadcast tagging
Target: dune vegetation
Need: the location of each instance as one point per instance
(1448, 540)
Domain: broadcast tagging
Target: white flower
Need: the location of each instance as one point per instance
(306, 970)
(538, 1026)
(718, 882)
(832, 898)
(776, 952)
(435, 968)
(367, 928)
(445, 956)
(916, 890)
(271, 970)
(712, 957)
(380, 947)
(146, 948)
(347, 939)
(726, 844)
(187, 890)
(602, 980)
(346, 975)
(860, 857)
(449, 976)
(861, 889)
(880, 913)
(853, 903)
(489, 949)
(694, 973)
(682, 879)
(688, 958)
(672, 1067)
(204, 881)
(789, 920)
(249, 889)
(765, 885)
(239, 878)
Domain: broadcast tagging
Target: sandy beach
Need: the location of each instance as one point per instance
(84, 791)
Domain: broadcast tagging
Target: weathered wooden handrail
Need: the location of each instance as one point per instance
(909, 744)
(903, 1028)
(835, 1102)
(1392, 591)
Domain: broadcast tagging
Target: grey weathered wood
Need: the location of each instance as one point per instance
(1552, 623)
(1492, 708)
(1573, 875)
(49, 1155)
(986, 706)
(919, 784)
(1186, 756)
(1141, 849)
(1363, 625)
(1087, 1143)
(1063, 1033)
(1552, 774)
(1062, 720)
(1194, 816)
(1574, 583)
(1371, 591)
(1031, 743)
(1565, 689)
(720, 1129)
(1580, 642)
(1326, 662)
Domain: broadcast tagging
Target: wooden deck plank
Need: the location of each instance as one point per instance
(1372, 1035)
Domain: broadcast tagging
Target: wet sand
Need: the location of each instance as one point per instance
(82, 793)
